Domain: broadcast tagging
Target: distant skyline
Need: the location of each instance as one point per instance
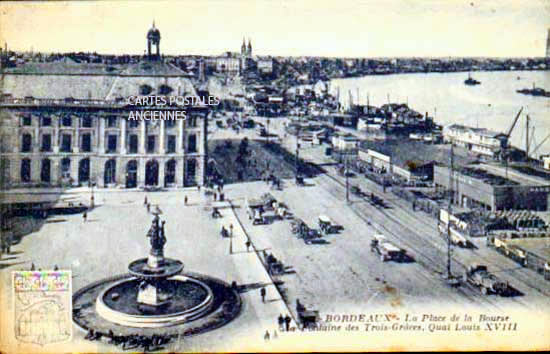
(382, 28)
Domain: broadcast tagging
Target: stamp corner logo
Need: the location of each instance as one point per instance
(42, 306)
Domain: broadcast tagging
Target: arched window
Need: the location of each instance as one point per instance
(26, 170)
(45, 171)
(109, 175)
(170, 172)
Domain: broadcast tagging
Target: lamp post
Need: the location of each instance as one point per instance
(231, 239)
(92, 199)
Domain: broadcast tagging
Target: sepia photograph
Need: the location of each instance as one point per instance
(274, 176)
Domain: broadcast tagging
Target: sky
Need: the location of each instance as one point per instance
(338, 28)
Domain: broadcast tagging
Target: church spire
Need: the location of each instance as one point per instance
(243, 47)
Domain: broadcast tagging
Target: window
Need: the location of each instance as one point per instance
(26, 143)
(111, 122)
(192, 143)
(26, 120)
(111, 143)
(151, 143)
(86, 122)
(26, 170)
(133, 123)
(45, 171)
(46, 143)
(86, 143)
(66, 121)
(46, 121)
(66, 140)
(145, 89)
(133, 148)
(170, 123)
(66, 168)
(165, 89)
(171, 148)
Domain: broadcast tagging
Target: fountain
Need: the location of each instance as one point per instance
(156, 294)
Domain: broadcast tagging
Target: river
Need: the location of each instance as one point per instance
(492, 105)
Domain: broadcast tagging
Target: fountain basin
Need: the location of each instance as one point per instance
(140, 269)
(191, 299)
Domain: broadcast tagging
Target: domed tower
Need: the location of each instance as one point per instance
(153, 38)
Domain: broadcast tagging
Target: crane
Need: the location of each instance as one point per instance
(505, 152)
(509, 132)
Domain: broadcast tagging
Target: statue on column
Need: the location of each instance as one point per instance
(157, 237)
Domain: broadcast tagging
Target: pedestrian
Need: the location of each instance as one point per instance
(84, 216)
(281, 322)
(215, 196)
(266, 335)
(231, 230)
(199, 188)
(287, 322)
(247, 245)
(55, 267)
(185, 200)
(262, 293)
(148, 207)
(33, 267)
(275, 336)
(145, 201)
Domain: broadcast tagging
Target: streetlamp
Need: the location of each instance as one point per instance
(92, 199)
(231, 239)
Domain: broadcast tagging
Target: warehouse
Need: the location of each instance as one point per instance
(474, 187)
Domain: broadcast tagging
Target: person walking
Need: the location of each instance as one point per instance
(148, 207)
(281, 322)
(85, 216)
(287, 322)
(145, 200)
(247, 245)
(231, 230)
(185, 200)
(262, 294)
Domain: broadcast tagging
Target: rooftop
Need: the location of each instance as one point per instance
(403, 151)
(478, 131)
(487, 177)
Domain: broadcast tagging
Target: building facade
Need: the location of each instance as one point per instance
(477, 140)
(53, 134)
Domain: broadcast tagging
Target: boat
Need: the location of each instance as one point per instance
(471, 82)
(535, 91)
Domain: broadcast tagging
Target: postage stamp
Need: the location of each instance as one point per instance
(42, 303)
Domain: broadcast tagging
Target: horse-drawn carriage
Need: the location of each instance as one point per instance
(327, 226)
(303, 231)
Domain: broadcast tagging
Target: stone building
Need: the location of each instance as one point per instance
(69, 125)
